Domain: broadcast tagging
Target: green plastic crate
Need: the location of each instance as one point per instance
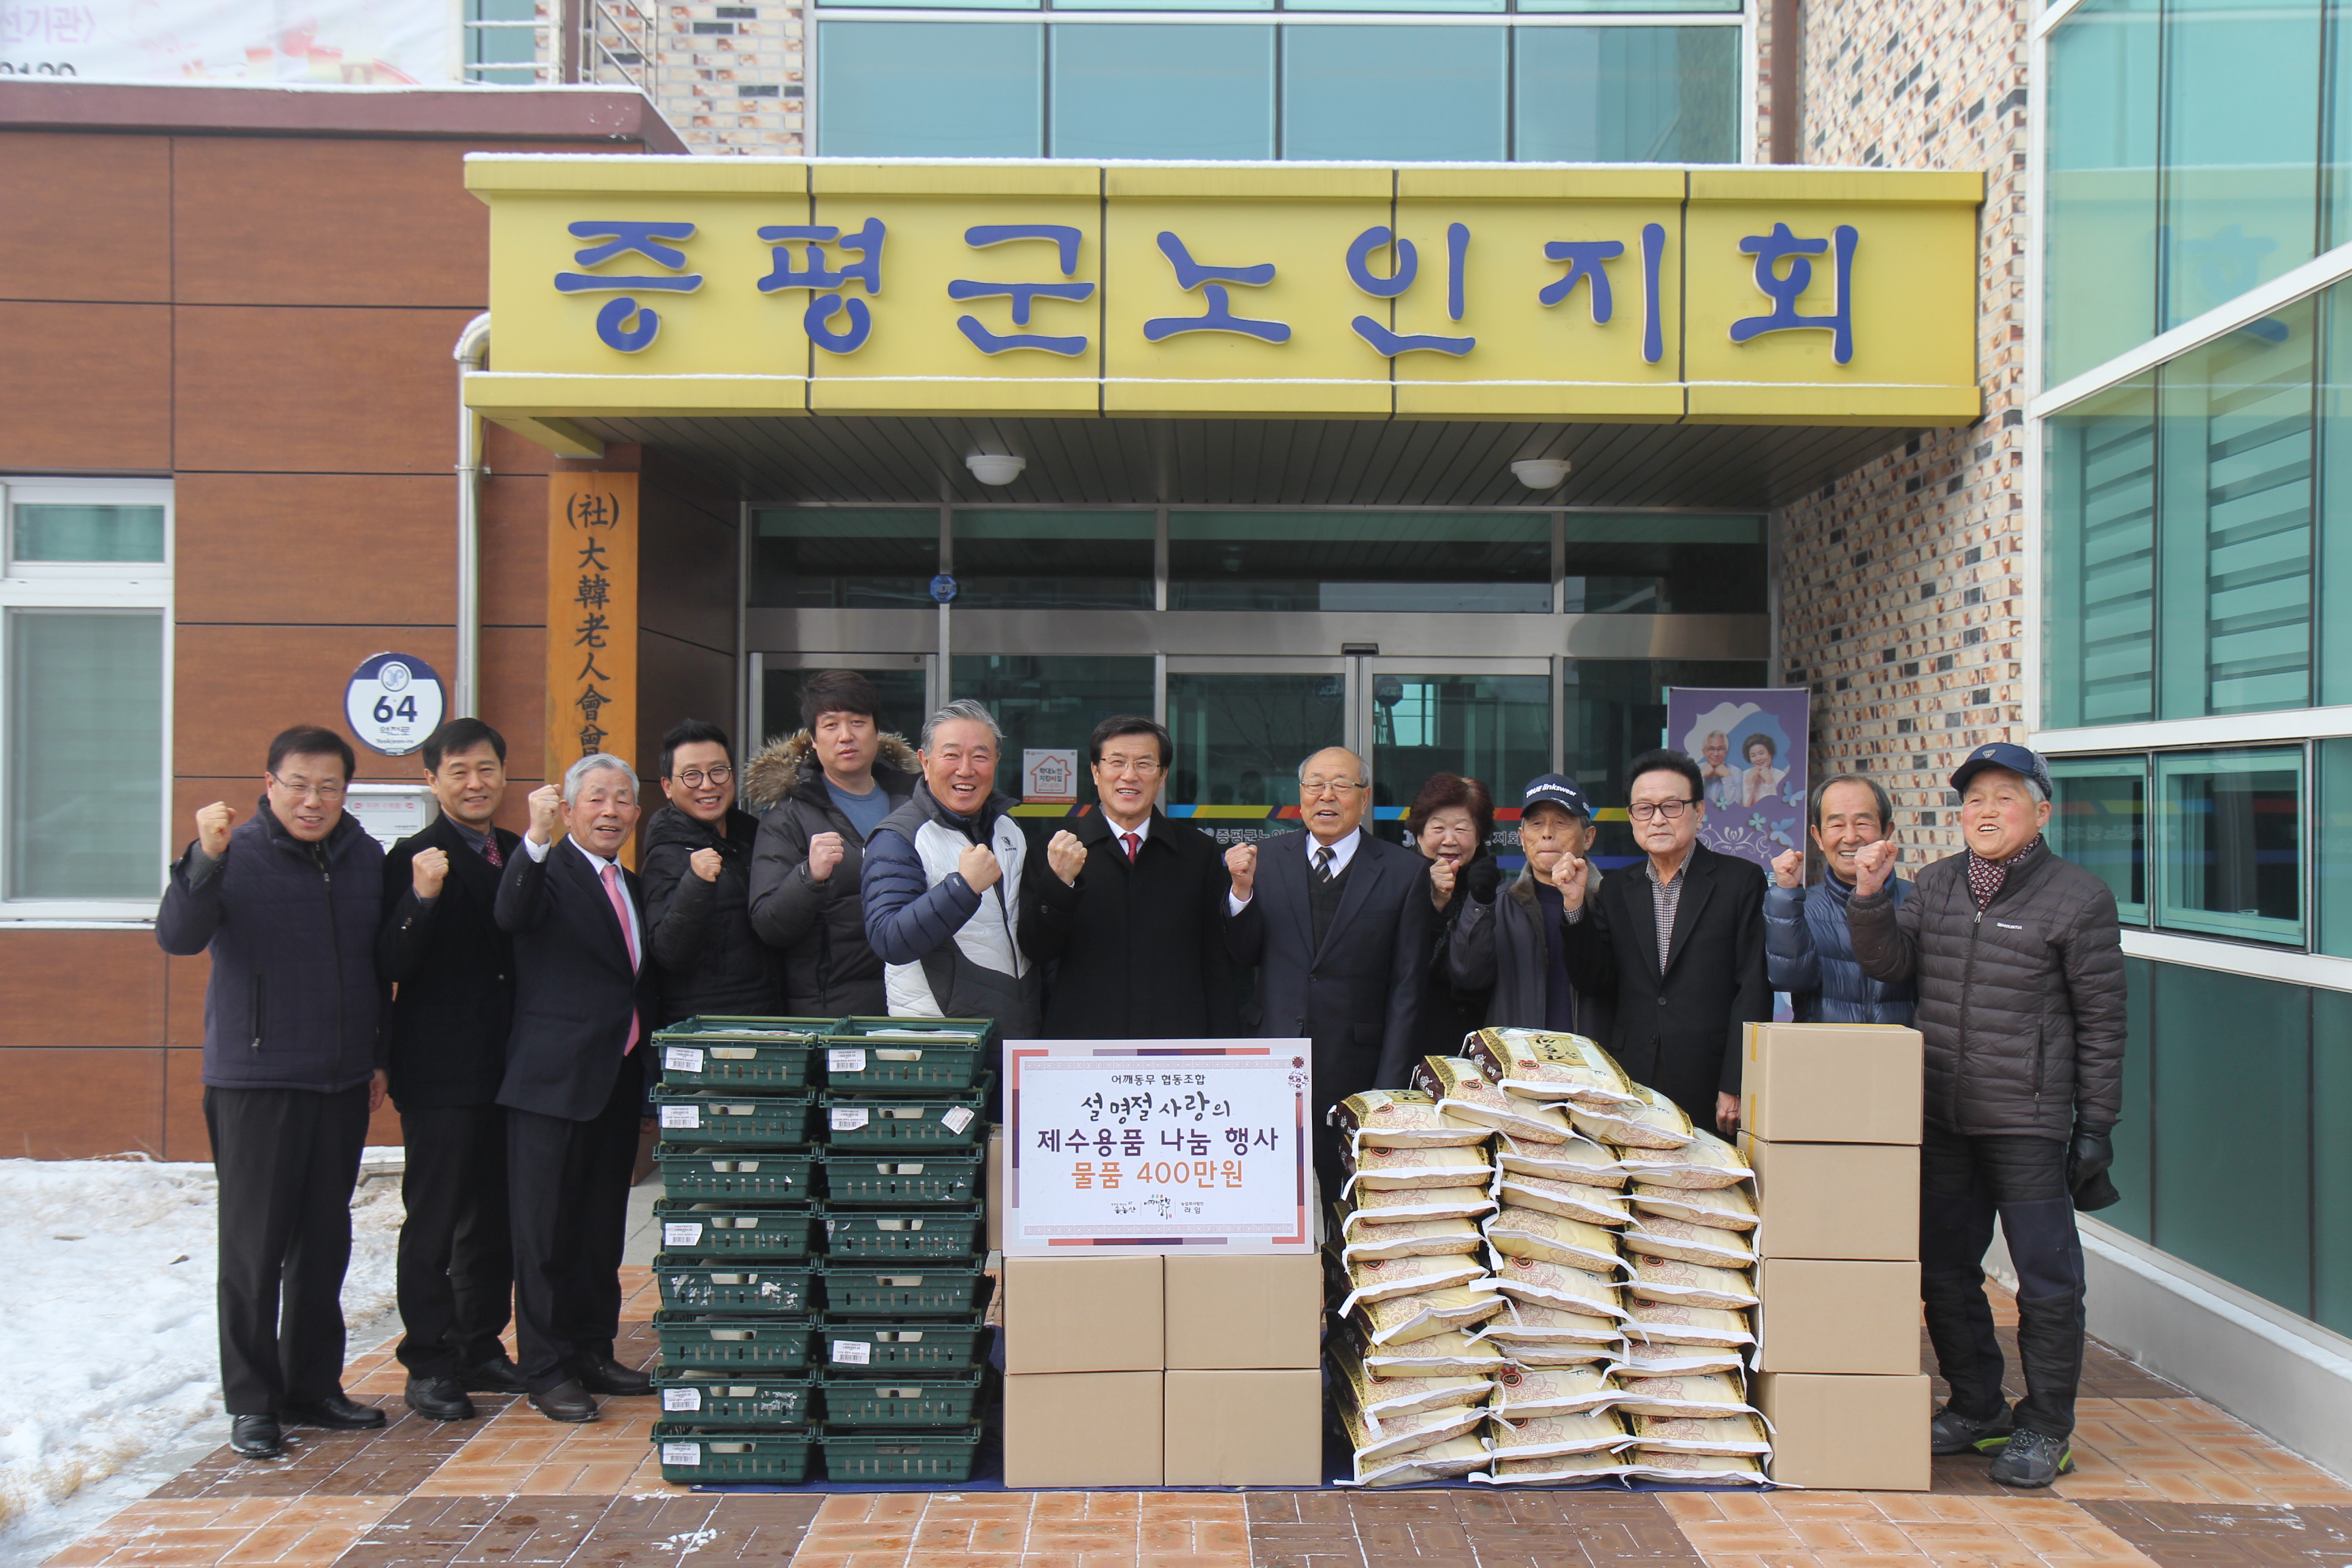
(915, 1287)
(742, 1399)
(951, 1177)
(938, 1399)
(755, 1175)
(753, 1055)
(942, 1455)
(948, 1122)
(900, 1346)
(908, 1056)
(698, 1342)
(689, 1456)
(912, 1233)
(717, 1229)
(699, 1119)
(699, 1285)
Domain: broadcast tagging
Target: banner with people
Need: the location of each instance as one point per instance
(1750, 746)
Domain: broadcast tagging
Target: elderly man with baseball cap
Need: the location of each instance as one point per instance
(2017, 959)
(1511, 940)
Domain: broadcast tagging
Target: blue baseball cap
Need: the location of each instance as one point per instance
(1556, 789)
(2001, 754)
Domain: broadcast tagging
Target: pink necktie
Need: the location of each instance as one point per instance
(629, 935)
(1133, 839)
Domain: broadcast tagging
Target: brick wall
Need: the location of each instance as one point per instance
(728, 78)
(1902, 584)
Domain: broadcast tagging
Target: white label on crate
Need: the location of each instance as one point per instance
(852, 1353)
(682, 1233)
(957, 1118)
(682, 1058)
(848, 1119)
(681, 1115)
(853, 1060)
(681, 1454)
(681, 1399)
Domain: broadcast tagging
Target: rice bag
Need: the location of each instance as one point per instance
(1678, 1322)
(1578, 1160)
(1400, 1320)
(1522, 1394)
(1539, 1065)
(1383, 1397)
(1720, 1470)
(1394, 1205)
(1549, 1237)
(1470, 1100)
(1378, 1278)
(1658, 1237)
(1375, 1438)
(1373, 1168)
(1412, 1239)
(1439, 1462)
(1703, 1164)
(1569, 1200)
(1657, 1359)
(1656, 1122)
(1542, 1284)
(1521, 1324)
(1449, 1354)
(1398, 1119)
(1706, 1395)
(1697, 1435)
(1724, 1208)
(1691, 1284)
(1553, 1470)
(1544, 1436)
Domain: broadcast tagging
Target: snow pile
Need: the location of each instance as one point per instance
(106, 1313)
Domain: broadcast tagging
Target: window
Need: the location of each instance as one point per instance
(85, 602)
(1403, 94)
(1052, 560)
(1477, 561)
(2331, 835)
(853, 558)
(913, 90)
(2101, 205)
(2099, 637)
(1155, 91)
(1653, 564)
(2229, 844)
(1610, 95)
(2098, 819)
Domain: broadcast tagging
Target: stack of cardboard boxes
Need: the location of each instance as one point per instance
(1176, 1371)
(1830, 1122)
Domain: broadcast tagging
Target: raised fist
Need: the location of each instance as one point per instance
(1066, 856)
(704, 864)
(1567, 876)
(1788, 868)
(427, 871)
(1440, 882)
(546, 814)
(979, 867)
(1241, 864)
(1873, 865)
(213, 824)
(825, 850)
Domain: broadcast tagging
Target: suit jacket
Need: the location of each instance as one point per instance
(1139, 948)
(454, 969)
(1680, 1030)
(1358, 995)
(574, 991)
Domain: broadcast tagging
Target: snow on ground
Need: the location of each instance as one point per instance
(106, 1314)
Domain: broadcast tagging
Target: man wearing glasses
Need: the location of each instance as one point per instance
(1678, 941)
(698, 877)
(287, 903)
(1140, 937)
(1337, 924)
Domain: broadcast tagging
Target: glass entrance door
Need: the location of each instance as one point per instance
(1487, 719)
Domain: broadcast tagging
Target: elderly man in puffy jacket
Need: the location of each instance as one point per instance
(2019, 961)
(1807, 950)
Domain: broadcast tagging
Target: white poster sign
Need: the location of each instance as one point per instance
(1049, 776)
(334, 42)
(1155, 1145)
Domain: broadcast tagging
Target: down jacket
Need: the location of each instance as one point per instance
(1809, 953)
(2021, 1006)
(829, 970)
(711, 963)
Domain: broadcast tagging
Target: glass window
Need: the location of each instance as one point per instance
(2098, 819)
(1616, 709)
(1159, 91)
(2135, 1133)
(1240, 739)
(2100, 280)
(2331, 1160)
(2331, 861)
(1053, 560)
(2240, 136)
(84, 728)
(1051, 704)
(2099, 649)
(903, 690)
(53, 532)
(843, 558)
(502, 41)
(2229, 844)
(960, 90)
(2234, 431)
(1607, 95)
(2334, 448)
(1394, 93)
(1661, 563)
(1492, 728)
(2335, 148)
(1476, 561)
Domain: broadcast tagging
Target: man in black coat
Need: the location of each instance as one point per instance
(286, 905)
(574, 1084)
(1140, 940)
(1337, 924)
(441, 946)
(1677, 941)
(697, 876)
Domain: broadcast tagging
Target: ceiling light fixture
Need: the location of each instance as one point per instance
(1541, 473)
(995, 467)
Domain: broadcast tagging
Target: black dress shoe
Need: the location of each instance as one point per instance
(336, 1413)
(496, 1375)
(439, 1398)
(567, 1401)
(256, 1437)
(603, 1374)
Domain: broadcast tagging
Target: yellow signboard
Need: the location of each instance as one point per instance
(1721, 295)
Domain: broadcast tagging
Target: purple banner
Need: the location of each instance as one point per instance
(1750, 746)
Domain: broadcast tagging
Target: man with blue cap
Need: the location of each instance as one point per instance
(2017, 959)
(1512, 940)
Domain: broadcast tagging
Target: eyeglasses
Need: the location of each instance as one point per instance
(325, 794)
(1649, 810)
(1311, 788)
(1141, 767)
(695, 778)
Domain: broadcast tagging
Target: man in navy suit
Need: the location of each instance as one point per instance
(1336, 923)
(574, 1086)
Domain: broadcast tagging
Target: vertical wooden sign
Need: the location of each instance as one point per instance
(591, 618)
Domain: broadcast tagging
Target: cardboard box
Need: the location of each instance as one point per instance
(1831, 1083)
(1243, 1428)
(993, 1191)
(1082, 1429)
(1082, 1314)
(1837, 1315)
(1848, 1433)
(1251, 1313)
(1835, 1200)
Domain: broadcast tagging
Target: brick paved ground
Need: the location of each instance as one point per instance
(2165, 1479)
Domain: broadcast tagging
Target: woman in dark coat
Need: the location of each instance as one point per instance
(1449, 823)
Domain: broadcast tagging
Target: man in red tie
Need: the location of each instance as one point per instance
(1140, 935)
(574, 1086)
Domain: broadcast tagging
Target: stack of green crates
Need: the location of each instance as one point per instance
(737, 1271)
(900, 1344)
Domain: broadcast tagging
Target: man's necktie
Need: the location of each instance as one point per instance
(491, 850)
(629, 934)
(1133, 842)
(1322, 862)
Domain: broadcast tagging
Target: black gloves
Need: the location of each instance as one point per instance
(2088, 1156)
